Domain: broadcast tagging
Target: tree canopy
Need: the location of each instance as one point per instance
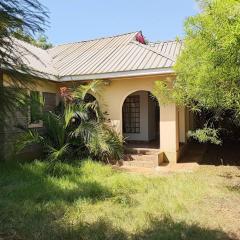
(40, 41)
(30, 18)
(208, 69)
(26, 16)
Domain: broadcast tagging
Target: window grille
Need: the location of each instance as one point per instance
(131, 114)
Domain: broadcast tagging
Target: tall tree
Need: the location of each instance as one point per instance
(208, 69)
(40, 41)
(29, 16)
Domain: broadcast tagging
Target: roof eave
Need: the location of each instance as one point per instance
(33, 73)
(46, 76)
(135, 73)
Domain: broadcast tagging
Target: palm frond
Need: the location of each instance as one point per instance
(92, 87)
(106, 144)
(115, 144)
(78, 111)
(94, 110)
(55, 154)
(28, 138)
(55, 128)
(68, 115)
(80, 130)
(11, 100)
(85, 131)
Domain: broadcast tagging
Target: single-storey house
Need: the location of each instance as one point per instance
(129, 66)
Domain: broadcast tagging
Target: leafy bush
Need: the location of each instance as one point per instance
(205, 135)
(77, 129)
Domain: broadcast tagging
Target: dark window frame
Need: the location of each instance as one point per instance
(50, 101)
(33, 119)
(131, 114)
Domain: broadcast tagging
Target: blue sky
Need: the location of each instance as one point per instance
(76, 20)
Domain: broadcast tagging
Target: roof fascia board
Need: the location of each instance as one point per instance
(33, 73)
(135, 73)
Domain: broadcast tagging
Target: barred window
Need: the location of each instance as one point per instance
(131, 114)
(49, 101)
(35, 107)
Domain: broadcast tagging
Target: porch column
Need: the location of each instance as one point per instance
(169, 134)
(182, 125)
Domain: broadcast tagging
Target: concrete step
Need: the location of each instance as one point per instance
(143, 151)
(141, 160)
(141, 157)
(137, 163)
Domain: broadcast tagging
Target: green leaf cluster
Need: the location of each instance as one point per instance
(78, 131)
(208, 69)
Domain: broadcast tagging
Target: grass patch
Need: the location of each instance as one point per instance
(93, 201)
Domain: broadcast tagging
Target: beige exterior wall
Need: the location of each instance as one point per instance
(169, 132)
(11, 132)
(114, 95)
(38, 85)
(152, 128)
(172, 122)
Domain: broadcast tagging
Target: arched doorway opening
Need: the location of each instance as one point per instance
(140, 120)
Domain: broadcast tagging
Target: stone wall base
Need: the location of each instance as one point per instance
(169, 157)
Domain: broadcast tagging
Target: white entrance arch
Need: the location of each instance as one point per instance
(114, 96)
(140, 120)
(123, 98)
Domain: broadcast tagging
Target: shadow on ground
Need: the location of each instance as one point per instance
(31, 203)
(33, 207)
(158, 229)
(227, 154)
(104, 230)
(169, 229)
(210, 154)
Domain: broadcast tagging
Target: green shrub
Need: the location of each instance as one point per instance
(77, 130)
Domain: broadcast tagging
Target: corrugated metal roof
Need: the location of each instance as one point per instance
(100, 56)
(169, 48)
(35, 58)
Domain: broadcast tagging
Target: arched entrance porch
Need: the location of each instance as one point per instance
(141, 120)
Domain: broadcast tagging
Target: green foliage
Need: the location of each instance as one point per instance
(28, 138)
(206, 134)
(79, 131)
(36, 103)
(89, 200)
(29, 16)
(162, 91)
(93, 87)
(41, 41)
(208, 69)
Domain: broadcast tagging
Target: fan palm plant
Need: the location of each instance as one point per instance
(79, 130)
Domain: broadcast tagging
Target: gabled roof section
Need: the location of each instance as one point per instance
(36, 59)
(102, 58)
(168, 48)
(85, 57)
